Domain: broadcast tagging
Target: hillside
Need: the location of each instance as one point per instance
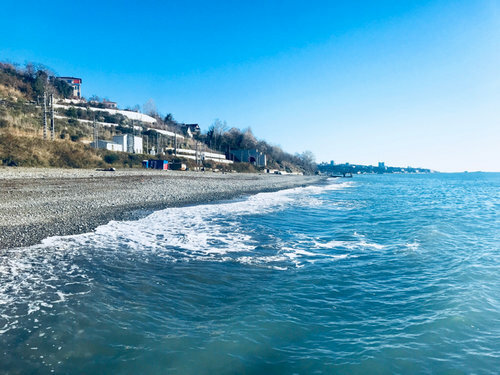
(22, 136)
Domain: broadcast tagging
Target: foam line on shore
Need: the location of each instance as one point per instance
(55, 271)
(70, 202)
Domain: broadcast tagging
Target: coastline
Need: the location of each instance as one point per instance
(36, 203)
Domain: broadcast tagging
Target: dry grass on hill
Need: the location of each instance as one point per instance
(10, 93)
(30, 151)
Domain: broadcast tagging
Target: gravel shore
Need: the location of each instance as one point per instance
(40, 203)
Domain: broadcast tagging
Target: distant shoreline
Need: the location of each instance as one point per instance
(36, 203)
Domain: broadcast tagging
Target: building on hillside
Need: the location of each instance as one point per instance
(75, 83)
(191, 129)
(109, 104)
(104, 104)
(129, 142)
(254, 157)
(108, 145)
(123, 143)
(201, 155)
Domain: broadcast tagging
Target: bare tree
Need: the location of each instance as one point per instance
(149, 108)
(215, 133)
(249, 141)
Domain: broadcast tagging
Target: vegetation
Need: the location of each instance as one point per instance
(220, 138)
(31, 151)
(84, 113)
(29, 83)
(21, 130)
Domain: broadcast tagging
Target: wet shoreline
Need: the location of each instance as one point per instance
(37, 203)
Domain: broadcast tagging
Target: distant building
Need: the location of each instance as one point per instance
(123, 143)
(192, 129)
(130, 143)
(108, 104)
(108, 145)
(254, 157)
(332, 162)
(75, 83)
(381, 165)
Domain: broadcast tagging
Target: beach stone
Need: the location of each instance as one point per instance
(36, 203)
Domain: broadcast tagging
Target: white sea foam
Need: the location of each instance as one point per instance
(206, 232)
(42, 276)
(212, 228)
(413, 246)
(30, 279)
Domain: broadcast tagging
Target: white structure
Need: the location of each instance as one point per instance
(202, 155)
(109, 104)
(166, 132)
(129, 143)
(129, 114)
(108, 145)
(123, 143)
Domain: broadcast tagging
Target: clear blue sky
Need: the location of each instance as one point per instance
(405, 82)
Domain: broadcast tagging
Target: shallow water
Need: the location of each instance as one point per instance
(378, 274)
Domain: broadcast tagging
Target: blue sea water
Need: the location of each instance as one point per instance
(385, 274)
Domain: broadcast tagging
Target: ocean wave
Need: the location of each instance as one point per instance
(40, 276)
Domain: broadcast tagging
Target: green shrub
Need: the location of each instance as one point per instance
(111, 158)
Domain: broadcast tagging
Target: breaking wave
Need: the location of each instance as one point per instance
(37, 277)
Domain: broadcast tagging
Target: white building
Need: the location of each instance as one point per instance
(75, 83)
(129, 143)
(123, 143)
(201, 155)
(108, 145)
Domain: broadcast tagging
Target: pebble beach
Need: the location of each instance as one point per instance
(37, 203)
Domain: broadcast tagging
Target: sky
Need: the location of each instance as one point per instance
(404, 82)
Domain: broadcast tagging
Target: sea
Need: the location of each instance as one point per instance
(378, 274)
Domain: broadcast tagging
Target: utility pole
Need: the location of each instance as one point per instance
(45, 115)
(52, 126)
(96, 134)
(196, 154)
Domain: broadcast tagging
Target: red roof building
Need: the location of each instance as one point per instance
(75, 83)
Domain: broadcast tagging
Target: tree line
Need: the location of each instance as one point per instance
(222, 138)
(32, 80)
